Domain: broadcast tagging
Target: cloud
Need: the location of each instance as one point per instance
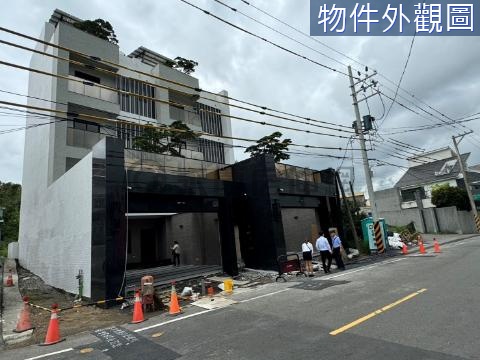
(442, 72)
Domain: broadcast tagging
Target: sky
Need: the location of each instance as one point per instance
(442, 74)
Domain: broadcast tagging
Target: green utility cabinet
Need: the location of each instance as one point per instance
(368, 235)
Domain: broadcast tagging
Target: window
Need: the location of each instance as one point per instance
(87, 77)
(211, 119)
(212, 151)
(409, 194)
(128, 132)
(83, 125)
(134, 104)
(446, 168)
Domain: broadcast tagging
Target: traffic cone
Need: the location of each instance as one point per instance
(174, 306)
(422, 248)
(436, 246)
(53, 331)
(404, 249)
(137, 309)
(24, 322)
(9, 281)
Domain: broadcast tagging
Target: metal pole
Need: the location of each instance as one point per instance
(467, 185)
(347, 208)
(366, 166)
(353, 197)
(378, 233)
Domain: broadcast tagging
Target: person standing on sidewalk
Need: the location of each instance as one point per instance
(307, 251)
(337, 249)
(323, 246)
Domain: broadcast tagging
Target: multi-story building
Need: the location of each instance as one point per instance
(93, 201)
(52, 150)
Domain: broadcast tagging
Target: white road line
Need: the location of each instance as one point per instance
(174, 320)
(50, 354)
(262, 296)
(203, 312)
(360, 269)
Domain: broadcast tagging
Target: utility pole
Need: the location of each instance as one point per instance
(347, 208)
(353, 196)
(467, 185)
(366, 166)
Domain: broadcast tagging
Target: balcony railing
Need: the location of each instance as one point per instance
(165, 164)
(92, 91)
(297, 173)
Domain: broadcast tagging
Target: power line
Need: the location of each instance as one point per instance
(164, 101)
(119, 121)
(177, 103)
(346, 56)
(96, 59)
(400, 80)
(304, 34)
(264, 39)
(279, 32)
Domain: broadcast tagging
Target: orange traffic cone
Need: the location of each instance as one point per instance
(137, 309)
(174, 306)
(422, 248)
(404, 249)
(53, 331)
(436, 246)
(24, 322)
(9, 281)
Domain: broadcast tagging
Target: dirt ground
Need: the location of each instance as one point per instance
(72, 321)
(87, 318)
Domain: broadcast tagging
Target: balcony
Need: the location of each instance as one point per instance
(165, 164)
(76, 85)
(297, 173)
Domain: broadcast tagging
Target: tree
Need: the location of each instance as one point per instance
(165, 139)
(10, 195)
(99, 28)
(184, 65)
(272, 145)
(446, 195)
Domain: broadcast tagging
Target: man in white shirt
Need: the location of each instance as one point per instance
(337, 247)
(323, 246)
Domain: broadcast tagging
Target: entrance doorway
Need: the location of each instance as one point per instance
(148, 248)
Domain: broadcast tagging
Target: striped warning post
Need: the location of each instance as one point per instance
(477, 222)
(377, 230)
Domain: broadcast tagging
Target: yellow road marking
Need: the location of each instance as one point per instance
(376, 312)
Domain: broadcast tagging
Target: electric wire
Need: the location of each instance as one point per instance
(264, 39)
(120, 121)
(144, 97)
(96, 59)
(400, 80)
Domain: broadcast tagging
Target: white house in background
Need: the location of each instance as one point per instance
(427, 170)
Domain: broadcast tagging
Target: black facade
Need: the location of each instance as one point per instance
(253, 202)
(265, 195)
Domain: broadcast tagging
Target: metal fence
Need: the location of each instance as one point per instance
(297, 173)
(173, 165)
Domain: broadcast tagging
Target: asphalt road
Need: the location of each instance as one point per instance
(404, 308)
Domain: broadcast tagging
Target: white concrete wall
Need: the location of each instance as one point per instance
(56, 232)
